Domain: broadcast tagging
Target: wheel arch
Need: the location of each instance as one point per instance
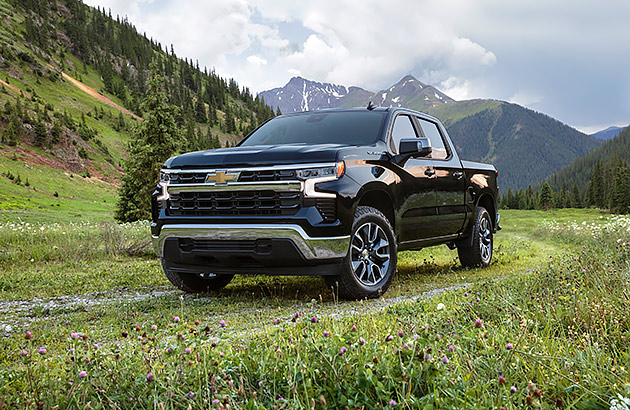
(379, 199)
(487, 201)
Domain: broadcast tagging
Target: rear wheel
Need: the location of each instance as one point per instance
(480, 253)
(370, 265)
(191, 283)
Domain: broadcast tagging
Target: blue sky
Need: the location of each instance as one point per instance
(567, 59)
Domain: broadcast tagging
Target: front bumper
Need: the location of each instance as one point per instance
(312, 249)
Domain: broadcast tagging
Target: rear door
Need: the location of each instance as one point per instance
(449, 181)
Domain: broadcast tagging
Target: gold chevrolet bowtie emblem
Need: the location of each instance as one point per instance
(222, 177)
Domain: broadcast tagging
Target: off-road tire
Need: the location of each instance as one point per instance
(191, 283)
(349, 285)
(480, 253)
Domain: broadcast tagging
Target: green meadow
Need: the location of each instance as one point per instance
(87, 319)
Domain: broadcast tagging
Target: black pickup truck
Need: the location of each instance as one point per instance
(335, 193)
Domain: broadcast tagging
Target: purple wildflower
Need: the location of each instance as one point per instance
(191, 395)
(222, 323)
(401, 333)
(513, 389)
(28, 335)
(153, 327)
(188, 351)
(509, 346)
(314, 319)
(23, 353)
(42, 350)
(82, 373)
(451, 348)
(215, 401)
(478, 322)
(392, 402)
(389, 338)
(150, 377)
(343, 351)
(354, 328)
(176, 319)
(326, 333)
(74, 335)
(361, 340)
(445, 360)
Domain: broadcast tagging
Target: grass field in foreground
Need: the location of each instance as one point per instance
(546, 325)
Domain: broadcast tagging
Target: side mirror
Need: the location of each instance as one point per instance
(420, 147)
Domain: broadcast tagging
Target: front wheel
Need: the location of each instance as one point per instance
(370, 265)
(191, 283)
(480, 253)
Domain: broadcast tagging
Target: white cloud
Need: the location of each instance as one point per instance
(256, 61)
(526, 97)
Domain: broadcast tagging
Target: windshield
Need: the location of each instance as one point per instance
(343, 127)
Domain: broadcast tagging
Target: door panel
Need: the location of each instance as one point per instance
(450, 182)
(416, 192)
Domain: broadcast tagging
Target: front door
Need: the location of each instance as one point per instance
(417, 212)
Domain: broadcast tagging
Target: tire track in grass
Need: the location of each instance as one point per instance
(15, 314)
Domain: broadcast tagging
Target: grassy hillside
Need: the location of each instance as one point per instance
(72, 82)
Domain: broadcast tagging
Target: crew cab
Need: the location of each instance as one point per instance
(335, 193)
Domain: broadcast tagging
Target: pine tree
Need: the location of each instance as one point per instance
(40, 133)
(154, 140)
(200, 112)
(13, 131)
(546, 196)
(576, 198)
(230, 125)
(620, 195)
(55, 132)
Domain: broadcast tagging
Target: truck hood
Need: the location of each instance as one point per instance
(256, 155)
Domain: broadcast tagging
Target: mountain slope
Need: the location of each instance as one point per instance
(581, 169)
(524, 145)
(300, 94)
(608, 133)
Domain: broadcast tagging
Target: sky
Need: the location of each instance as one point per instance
(569, 59)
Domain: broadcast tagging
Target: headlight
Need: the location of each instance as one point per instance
(335, 171)
(315, 175)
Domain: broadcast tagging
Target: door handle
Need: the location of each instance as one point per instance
(429, 172)
(458, 174)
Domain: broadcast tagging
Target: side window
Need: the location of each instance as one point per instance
(432, 132)
(403, 128)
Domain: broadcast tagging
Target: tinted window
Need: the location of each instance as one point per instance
(403, 128)
(432, 132)
(348, 128)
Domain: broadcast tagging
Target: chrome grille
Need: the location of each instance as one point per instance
(267, 175)
(217, 203)
(188, 178)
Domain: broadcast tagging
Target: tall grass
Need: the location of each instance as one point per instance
(557, 337)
